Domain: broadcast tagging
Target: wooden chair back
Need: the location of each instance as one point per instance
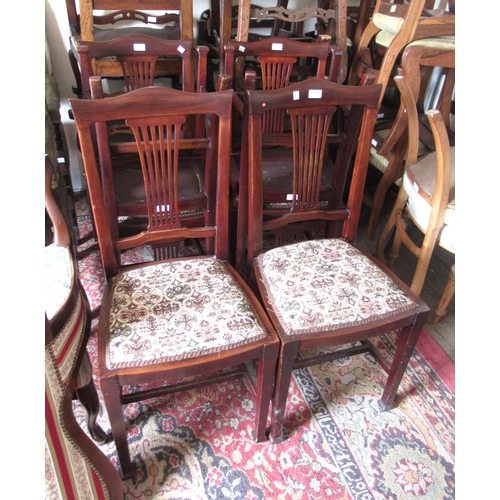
(176, 24)
(391, 25)
(138, 57)
(310, 104)
(156, 116)
(276, 59)
(429, 69)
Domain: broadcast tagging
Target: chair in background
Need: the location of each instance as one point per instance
(196, 316)
(324, 293)
(391, 28)
(141, 17)
(139, 57)
(209, 33)
(330, 22)
(74, 465)
(269, 64)
(426, 198)
(429, 66)
(125, 194)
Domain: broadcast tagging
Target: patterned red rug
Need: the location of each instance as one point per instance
(197, 444)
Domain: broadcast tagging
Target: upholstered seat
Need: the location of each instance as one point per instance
(318, 285)
(381, 162)
(59, 277)
(419, 182)
(196, 305)
(426, 198)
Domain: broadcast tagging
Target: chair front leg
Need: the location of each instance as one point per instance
(111, 392)
(406, 345)
(265, 385)
(288, 353)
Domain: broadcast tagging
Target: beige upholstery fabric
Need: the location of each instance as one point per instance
(59, 278)
(388, 23)
(389, 26)
(443, 42)
(419, 182)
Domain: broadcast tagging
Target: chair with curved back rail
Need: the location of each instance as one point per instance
(390, 29)
(330, 17)
(163, 19)
(274, 63)
(426, 198)
(209, 34)
(138, 57)
(74, 465)
(326, 292)
(194, 316)
(429, 66)
(125, 195)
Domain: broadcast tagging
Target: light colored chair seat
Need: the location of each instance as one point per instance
(196, 304)
(419, 182)
(325, 284)
(438, 42)
(59, 277)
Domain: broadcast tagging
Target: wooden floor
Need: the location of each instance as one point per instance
(444, 331)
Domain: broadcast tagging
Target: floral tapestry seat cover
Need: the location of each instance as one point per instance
(177, 310)
(322, 285)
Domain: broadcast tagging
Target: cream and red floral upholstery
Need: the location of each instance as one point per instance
(320, 285)
(187, 308)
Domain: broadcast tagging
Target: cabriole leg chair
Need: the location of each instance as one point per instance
(324, 293)
(177, 317)
(74, 465)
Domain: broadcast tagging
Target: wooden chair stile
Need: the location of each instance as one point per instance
(228, 326)
(323, 293)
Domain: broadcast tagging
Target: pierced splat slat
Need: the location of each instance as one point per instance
(310, 132)
(158, 145)
(138, 71)
(276, 72)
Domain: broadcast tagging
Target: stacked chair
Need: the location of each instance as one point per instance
(391, 28)
(280, 145)
(88, 24)
(426, 197)
(139, 55)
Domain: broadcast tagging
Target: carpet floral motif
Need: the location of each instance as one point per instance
(338, 444)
